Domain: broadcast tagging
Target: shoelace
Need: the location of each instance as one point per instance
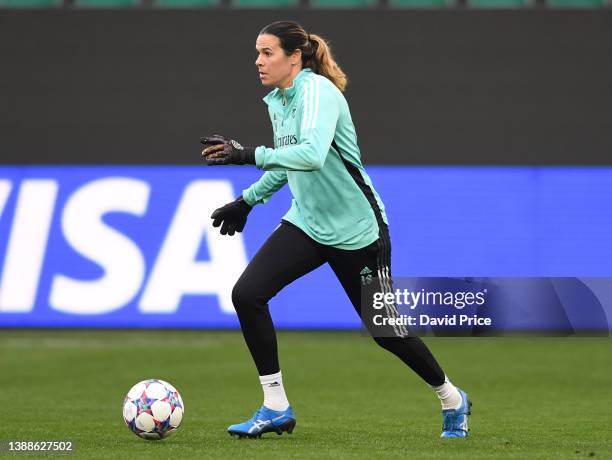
(256, 416)
(452, 422)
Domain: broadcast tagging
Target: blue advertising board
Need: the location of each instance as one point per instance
(116, 246)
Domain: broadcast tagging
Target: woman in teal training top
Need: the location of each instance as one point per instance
(336, 217)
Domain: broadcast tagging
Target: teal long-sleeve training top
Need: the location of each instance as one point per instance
(316, 153)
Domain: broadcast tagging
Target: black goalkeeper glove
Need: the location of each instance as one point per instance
(232, 217)
(222, 151)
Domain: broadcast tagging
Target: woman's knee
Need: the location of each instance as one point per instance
(380, 341)
(244, 296)
(389, 343)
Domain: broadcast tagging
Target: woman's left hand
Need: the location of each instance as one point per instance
(222, 151)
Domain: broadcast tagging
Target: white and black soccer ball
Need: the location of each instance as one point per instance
(153, 409)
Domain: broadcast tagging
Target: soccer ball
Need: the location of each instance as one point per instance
(153, 409)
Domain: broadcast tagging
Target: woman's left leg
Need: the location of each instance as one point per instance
(352, 268)
(365, 271)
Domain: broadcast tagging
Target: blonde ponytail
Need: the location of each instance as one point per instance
(322, 62)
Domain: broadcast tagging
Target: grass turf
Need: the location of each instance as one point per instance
(533, 398)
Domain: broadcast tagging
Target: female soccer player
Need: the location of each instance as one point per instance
(336, 217)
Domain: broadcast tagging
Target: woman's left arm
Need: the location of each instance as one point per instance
(317, 121)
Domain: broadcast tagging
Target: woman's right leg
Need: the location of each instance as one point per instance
(287, 255)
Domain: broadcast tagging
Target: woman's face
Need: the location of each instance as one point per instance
(274, 66)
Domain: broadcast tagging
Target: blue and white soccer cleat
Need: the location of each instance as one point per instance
(264, 421)
(455, 421)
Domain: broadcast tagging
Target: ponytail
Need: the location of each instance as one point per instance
(322, 62)
(316, 52)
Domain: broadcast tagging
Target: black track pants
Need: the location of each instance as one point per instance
(289, 254)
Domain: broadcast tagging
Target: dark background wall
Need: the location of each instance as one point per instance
(426, 87)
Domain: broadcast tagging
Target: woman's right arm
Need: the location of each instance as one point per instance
(262, 190)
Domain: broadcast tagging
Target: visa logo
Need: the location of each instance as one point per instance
(123, 276)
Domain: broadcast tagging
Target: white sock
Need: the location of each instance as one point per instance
(448, 394)
(274, 393)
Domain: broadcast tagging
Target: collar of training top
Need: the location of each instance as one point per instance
(275, 96)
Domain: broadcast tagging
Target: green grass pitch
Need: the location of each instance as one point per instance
(533, 398)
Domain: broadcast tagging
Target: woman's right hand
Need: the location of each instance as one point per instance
(232, 217)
